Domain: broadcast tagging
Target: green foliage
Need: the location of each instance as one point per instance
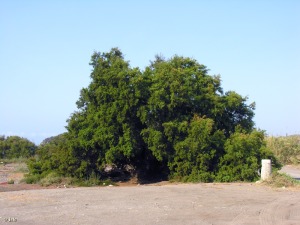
(106, 128)
(92, 180)
(242, 158)
(16, 147)
(195, 157)
(34, 166)
(286, 149)
(53, 157)
(11, 181)
(31, 178)
(50, 179)
(171, 119)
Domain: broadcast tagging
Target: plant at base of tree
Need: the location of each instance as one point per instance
(242, 157)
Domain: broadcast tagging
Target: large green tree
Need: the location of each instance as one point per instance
(170, 119)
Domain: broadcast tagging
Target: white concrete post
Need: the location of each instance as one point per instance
(266, 169)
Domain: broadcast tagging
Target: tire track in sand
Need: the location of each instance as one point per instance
(279, 211)
(241, 217)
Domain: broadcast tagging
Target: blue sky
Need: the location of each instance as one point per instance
(45, 49)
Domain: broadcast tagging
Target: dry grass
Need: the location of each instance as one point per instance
(280, 180)
(286, 149)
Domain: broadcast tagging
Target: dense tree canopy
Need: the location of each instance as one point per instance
(172, 118)
(15, 147)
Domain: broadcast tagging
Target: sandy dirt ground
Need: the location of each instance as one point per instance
(234, 203)
(153, 204)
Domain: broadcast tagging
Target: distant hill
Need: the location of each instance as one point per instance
(52, 139)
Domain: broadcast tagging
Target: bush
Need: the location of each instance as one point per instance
(92, 180)
(50, 179)
(11, 181)
(281, 180)
(31, 178)
(195, 156)
(15, 147)
(242, 158)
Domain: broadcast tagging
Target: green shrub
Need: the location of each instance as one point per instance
(34, 166)
(281, 180)
(11, 181)
(242, 158)
(50, 179)
(195, 156)
(15, 147)
(92, 180)
(31, 178)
